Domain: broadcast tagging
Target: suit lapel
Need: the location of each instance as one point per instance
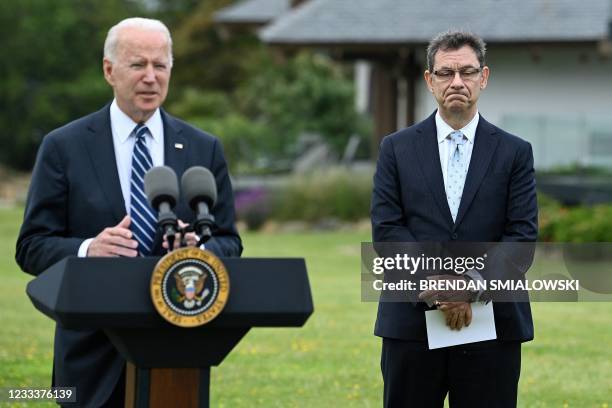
(175, 147)
(484, 147)
(429, 158)
(99, 145)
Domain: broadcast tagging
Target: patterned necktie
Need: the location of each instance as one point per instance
(144, 219)
(457, 170)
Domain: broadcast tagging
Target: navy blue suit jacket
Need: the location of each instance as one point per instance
(409, 204)
(74, 194)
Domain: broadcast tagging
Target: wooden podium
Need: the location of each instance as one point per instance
(169, 365)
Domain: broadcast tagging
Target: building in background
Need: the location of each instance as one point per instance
(551, 62)
(251, 15)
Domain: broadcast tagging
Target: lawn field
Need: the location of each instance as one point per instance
(334, 360)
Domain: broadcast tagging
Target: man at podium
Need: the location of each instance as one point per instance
(86, 195)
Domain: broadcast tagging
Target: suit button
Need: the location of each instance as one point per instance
(454, 236)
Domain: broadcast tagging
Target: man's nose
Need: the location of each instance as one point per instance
(149, 74)
(457, 81)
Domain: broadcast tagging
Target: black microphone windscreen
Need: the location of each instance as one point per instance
(198, 183)
(161, 184)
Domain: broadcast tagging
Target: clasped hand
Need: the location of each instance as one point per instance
(119, 240)
(190, 238)
(455, 304)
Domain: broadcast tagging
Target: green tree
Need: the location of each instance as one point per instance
(231, 87)
(261, 120)
(308, 93)
(51, 70)
(207, 60)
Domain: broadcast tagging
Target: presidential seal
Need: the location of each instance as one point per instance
(189, 287)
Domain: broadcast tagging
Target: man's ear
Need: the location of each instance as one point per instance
(427, 77)
(484, 80)
(107, 67)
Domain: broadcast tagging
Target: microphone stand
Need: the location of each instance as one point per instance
(203, 238)
(202, 226)
(166, 219)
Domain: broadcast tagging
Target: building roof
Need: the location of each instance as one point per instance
(416, 21)
(252, 11)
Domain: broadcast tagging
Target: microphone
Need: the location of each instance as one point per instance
(200, 192)
(161, 188)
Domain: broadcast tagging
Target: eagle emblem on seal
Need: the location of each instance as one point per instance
(190, 285)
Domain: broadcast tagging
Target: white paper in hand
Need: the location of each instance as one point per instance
(482, 327)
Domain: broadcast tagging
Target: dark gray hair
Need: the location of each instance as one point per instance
(453, 40)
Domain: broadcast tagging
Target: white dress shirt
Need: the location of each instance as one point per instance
(443, 130)
(123, 142)
(444, 142)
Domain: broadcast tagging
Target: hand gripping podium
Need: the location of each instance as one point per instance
(169, 365)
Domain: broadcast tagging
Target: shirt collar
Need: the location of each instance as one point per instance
(443, 129)
(124, 125)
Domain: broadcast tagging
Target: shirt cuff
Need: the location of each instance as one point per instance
(84, 248)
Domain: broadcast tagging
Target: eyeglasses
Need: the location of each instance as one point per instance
(466, 73)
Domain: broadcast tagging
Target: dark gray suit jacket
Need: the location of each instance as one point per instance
(74, 194)
(409, 204)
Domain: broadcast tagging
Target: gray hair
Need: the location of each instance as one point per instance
(112, 38)
(453, 40)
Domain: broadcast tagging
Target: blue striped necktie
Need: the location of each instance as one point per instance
(144, 218)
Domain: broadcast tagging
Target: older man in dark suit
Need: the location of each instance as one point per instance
(453, 177)
(86, 195)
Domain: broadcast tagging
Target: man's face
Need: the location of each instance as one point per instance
(457, 92)
(140, 73)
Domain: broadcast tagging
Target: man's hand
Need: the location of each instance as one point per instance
(433, 296)
(115, 241)
(191, 239)
(457, 314)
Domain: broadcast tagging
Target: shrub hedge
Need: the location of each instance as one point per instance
(342, 195)
(574, 224)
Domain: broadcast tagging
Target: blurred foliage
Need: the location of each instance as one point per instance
(260, 122)
(51, 73)
(338, 194)
(307, 93)
(171, 12)
(576, 169)
(330, 194)
(558, 223)
(213, 111)
(204, 59)
(344, 195)
(254, 206)
(230, 85)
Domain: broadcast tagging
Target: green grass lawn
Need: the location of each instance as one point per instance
(334, 360)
